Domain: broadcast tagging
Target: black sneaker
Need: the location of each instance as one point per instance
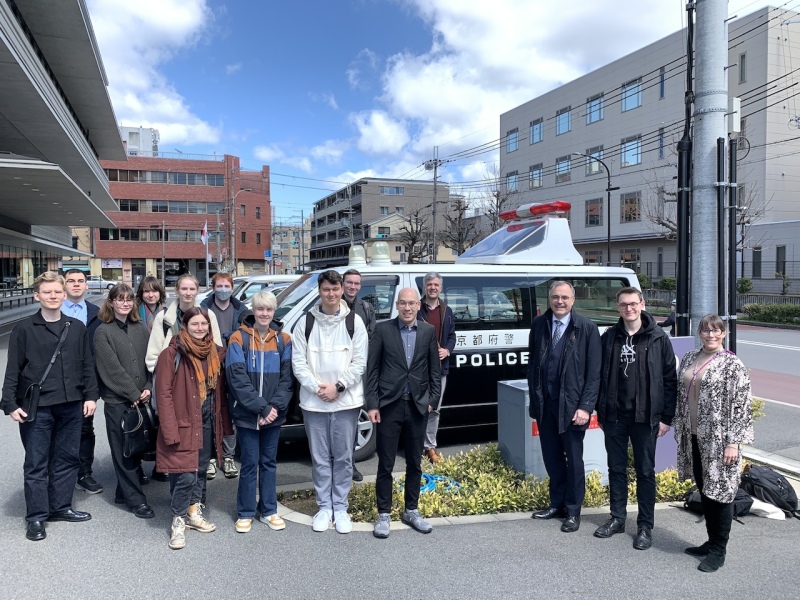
(88, 485)
(357, 476)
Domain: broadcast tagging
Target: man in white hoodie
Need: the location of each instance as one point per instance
(329, 358)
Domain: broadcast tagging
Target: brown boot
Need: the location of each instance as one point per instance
(432, 455)
(195, 519)
(177, 538)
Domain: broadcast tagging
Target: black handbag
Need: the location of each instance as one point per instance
(30, 400)
(139, 428)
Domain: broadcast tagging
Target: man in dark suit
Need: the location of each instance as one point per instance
(404, 378)
(77, 307)
(563, 383)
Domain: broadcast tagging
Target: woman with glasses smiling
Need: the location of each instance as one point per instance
(713, 418)
(120, 345)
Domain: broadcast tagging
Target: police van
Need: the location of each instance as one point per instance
(495, 289)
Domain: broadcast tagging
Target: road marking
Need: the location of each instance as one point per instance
(778, 402)
(764, 344)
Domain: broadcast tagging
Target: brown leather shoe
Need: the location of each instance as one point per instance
(433, 456)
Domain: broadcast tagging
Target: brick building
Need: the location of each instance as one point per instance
(164, 202)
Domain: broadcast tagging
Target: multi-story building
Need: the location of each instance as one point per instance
(629, 115)
(56, 123)
(164, 203)
(290, 245)
(340, 218)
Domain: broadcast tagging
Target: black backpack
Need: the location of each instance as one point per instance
(741, 503)
(772, 487)
(349, 322)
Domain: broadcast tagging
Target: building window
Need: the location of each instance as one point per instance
(631, 151)
(197, 178)
(242, 210)
(129, 205)
(563, 169)
(630, 258)
(662, 83)
(258, 239)
(384, 210)
(512, 181)
(780, 261)
(593, 166)
(594, 109)
(177, 178)
(660, 142)
(392, 190)
(258, 212)
(398, 248)
(399, 210)
(159, 206)
(632, 94)
(660, 262)
(535, 177)
(564, 120)
(630, 207)
(756, 261)
(512, 140)
(593, 257)
(537, 133)
(594, 212)
(244, 237)
(742, 68)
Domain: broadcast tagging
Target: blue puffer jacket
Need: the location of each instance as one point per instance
(259, 377)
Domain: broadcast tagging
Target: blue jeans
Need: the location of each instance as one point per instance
(259, 448)
(51, 464)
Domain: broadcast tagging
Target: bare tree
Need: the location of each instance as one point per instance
(461, 232)
(751, 209)
(494, 199)
(415, 232)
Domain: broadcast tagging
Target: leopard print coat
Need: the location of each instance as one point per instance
(723, 417)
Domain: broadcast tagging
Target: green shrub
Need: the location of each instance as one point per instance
(644, 281)
(757, 408)
(773, 313)
(744, 285)
(667, 283)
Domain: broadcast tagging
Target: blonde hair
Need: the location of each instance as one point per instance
(187, 276)
(264, 299)
(48, 277)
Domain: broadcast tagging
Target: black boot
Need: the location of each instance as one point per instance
(719, 519)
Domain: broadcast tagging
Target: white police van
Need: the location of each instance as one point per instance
(495, 289)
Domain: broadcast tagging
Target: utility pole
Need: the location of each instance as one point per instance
(434, 166)
(219, 255)
(302, 261)
(163, 254)
(232, 223)
(710, 108)
(272, 244)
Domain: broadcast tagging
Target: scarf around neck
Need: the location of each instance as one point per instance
(197, 351)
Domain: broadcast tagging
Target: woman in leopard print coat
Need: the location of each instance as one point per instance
(713, 418)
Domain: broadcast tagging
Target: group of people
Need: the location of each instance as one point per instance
(221, 373)
(629, 376)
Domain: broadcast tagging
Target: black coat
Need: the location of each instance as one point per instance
(387, 372)
(30, 349)
(657, 369)
(580, 367)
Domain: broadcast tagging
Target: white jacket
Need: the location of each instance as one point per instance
(330, 356)
(159, 341)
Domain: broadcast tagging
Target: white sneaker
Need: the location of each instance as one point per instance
(322, 520)
(342, 521)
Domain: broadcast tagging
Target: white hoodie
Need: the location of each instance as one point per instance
(330, 356)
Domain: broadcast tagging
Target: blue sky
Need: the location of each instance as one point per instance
(327, 91)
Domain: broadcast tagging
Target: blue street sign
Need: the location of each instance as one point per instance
(267, 254)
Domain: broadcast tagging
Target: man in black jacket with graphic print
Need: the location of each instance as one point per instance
(636, 404)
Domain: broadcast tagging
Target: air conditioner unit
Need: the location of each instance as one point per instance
(381, 235)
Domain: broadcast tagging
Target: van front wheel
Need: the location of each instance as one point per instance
(365, 444)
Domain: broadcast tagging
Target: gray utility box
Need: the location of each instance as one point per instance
(518, 434)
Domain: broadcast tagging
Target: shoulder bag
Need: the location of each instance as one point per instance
(30, 401)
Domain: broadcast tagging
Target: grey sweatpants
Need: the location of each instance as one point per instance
(331, 436)
(433, 420)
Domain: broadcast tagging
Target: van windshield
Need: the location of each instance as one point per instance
(519, 237)
(295, 294)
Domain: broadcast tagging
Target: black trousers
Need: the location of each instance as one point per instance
(128, 487)
(718, 515)
(87, 446)
(51, 458)
(562, 454)
(642, 437)
(399, 419)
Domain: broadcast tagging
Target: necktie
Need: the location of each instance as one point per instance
(558, 332)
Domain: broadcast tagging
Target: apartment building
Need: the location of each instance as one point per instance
(619, 124)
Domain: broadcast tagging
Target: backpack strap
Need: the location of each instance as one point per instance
(349, 321)
(309, 325)
(164, 324)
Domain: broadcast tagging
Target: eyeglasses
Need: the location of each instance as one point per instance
(711, 332)
(562, 298)
(409, 303)
(123, 300)
(627, 305)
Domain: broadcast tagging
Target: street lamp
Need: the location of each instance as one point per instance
(609, 189)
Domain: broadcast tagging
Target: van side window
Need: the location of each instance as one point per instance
(594, 298)
(482, 302)
(379, 291)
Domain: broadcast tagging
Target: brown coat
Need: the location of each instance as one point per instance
(180, 432)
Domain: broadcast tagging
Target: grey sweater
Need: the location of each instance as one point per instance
(119, 356)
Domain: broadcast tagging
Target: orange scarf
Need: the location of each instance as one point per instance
(196, 351)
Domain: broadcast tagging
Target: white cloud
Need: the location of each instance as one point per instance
(379, 133)
(135, 39)
(268, 153)
(330, 151)
(231, 69)
(361, 68)
(272, 154)
(326, 98)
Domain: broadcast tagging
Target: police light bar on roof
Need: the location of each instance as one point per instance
(536, 209)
